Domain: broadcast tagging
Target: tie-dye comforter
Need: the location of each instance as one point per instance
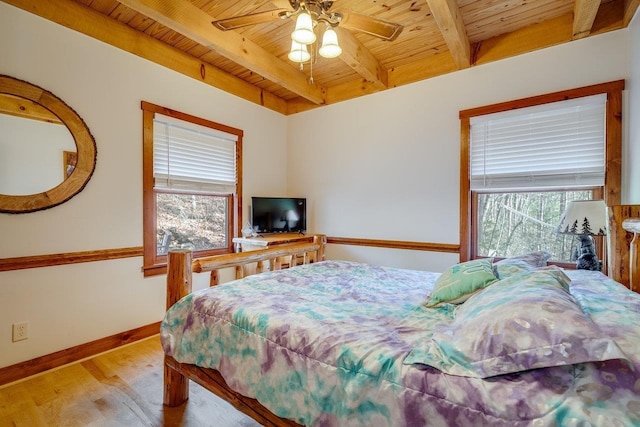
(325, 345)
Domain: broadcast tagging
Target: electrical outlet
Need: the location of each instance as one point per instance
(20, 331)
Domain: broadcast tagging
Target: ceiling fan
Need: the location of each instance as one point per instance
(320, 12)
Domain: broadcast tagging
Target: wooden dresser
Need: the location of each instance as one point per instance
(244, 244)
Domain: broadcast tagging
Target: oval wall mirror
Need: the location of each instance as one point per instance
(48, 153)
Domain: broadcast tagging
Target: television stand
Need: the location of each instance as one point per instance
(244, 244)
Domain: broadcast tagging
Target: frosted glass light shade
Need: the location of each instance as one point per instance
(299, 52)
(330, 47)
(303, 33)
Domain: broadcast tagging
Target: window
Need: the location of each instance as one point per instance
(523, 161)
(191, 185)
(515, 223)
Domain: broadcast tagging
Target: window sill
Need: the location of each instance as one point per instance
(154, 270)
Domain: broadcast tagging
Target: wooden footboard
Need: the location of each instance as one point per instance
(213, 381)
(179, 284)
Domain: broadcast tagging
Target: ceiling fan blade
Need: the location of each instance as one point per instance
(246, 20)
(386, 30)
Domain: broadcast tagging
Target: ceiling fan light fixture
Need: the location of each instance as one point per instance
(303, 33)
(330, 47)
(299, 52)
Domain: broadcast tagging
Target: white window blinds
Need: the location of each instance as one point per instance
(187, 156)
(547, 146)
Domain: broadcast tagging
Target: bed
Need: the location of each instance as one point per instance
(335, 343)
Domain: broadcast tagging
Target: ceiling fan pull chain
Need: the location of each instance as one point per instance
(314, 56)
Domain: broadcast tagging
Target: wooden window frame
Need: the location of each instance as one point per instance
(613, 151)
(157, 264)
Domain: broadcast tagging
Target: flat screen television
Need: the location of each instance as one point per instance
(278, 214)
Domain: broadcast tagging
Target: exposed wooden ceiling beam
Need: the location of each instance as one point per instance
(358, 57)
(87, 21)
(534, 37)
(354, 54)
(538, 36)
(548, 33)
(187, 19)
(609, 17)
(584, 14)
(449, 20)
(630, 8)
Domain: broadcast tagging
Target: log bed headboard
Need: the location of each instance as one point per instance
(623, 258)
(632, 225)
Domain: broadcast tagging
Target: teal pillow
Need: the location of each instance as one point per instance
(510, 267)
(461, 281)
(518, 264)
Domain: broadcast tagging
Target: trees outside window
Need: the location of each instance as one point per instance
(511, 224)
(191, 185)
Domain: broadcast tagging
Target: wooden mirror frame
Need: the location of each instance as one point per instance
(85, 146)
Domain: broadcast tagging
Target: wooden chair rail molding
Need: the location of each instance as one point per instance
(396, 244)
(49, 260)
(37, 261)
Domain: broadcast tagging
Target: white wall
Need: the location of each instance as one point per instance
(70, 305)
(633, 86)
(386, 166)
(383, 166)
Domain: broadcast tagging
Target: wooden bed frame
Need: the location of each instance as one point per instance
(624, 267)
(179, 284)
(632, 225)
(624, 245)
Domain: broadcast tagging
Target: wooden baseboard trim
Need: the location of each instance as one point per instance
(396, 244)
(40, 364)
(37, 261)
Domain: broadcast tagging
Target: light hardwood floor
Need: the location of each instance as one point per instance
(119, 388)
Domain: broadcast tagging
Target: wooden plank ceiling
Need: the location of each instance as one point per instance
(438, 37)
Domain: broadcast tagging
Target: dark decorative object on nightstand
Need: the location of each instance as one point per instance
(585, 254)
(585, 219)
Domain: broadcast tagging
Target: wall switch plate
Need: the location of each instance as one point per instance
(20, 331)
